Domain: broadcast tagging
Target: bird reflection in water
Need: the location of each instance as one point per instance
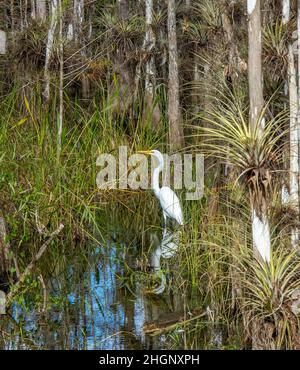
(166, 249)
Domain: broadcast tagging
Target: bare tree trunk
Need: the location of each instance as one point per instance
(25, 13)
(61, 82)
(163, 46)
(123, 9)
(78, 19)
(298, 31)
(91, 14)
(80, 40)
(2, 42)
(261, 232)
(196, 69)
(21, 15)
(234, 60)
(294, 143)
(295, 131)
(260, 223)
(255, 65)
(285, 196)
(12, 15)
(176, 136)
(33, 9)
(41, 10)
(286, 8)
(49, 47)
(151, 108)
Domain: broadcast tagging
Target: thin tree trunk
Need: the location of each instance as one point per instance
(91, 14)
(234, 60)
(176, 136)
(151, 108)
(33, 9)
(80, 40)
(260, 223)
(70, 32)
(298, 31)
(163, 46)
(286, 8)
(149, 46)
(78, 19)
(295, 131)
(2, 42)
(123, 9)
(255, 65)
(196, 69)
(49, 47)
(41, 10)
(285, 196)
(261, 232)
(21, 15)
(61, 82)
(12, 15)
(25, 14)
(294, 143)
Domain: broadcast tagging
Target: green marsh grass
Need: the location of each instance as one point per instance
(214, 268)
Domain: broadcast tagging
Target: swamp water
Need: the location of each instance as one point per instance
(99, 298)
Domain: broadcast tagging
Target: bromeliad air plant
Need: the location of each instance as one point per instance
(254, 157)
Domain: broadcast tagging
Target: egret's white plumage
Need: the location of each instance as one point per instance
(167, 198)
(170, 204)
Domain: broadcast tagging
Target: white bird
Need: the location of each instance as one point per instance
(168, 199)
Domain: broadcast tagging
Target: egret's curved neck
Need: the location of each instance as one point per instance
(155, 178)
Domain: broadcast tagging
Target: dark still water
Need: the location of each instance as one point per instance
(99, 298)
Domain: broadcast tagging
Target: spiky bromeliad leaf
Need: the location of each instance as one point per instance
(272, 290)
(254, 154)
(268, 291)
(123, 33)
(276, 37)
(209, 12)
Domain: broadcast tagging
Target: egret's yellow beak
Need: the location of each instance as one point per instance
(147, 152)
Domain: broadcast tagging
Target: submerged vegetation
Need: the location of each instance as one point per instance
(79, 79)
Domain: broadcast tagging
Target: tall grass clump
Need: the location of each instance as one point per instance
(265, 295)
(38, 192)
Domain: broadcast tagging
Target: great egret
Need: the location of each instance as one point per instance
(167, 198)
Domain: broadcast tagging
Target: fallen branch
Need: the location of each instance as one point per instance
(31, 265)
